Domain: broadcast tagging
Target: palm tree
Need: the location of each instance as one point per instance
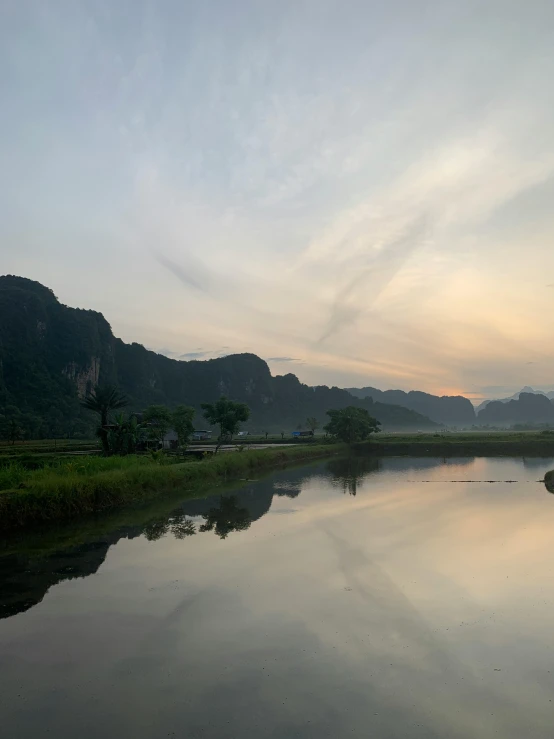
(103, 400)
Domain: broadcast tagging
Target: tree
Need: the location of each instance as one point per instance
(312, 423)
(124, 437)
(351, 424)
(228, 415)
(14, 431)
(182, 420)
(158, 419)
(103, 400)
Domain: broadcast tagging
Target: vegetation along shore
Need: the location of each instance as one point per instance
(478, 444)
(84, 485)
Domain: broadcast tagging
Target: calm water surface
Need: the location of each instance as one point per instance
(351, 598)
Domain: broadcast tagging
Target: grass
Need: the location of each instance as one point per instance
(471, 443)
(47, 445)
(93, 484)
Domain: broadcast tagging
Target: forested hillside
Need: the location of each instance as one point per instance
(51, 355)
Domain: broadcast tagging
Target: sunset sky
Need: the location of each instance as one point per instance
(359, 192)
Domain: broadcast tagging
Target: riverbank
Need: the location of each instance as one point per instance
(470, 444)
(549, 481)
(75, 488)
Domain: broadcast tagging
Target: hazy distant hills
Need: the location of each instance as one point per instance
(529, 408)
(447, 409)
(526, 389)
(51, 355)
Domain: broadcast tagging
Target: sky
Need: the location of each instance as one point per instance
(360, 193)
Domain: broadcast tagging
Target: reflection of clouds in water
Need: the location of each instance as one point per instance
(276, 676)
(403, 464)
(384, 615)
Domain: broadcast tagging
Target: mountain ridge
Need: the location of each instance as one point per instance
(453, 410)
(529, 408)
(51, 355)
(548, 393)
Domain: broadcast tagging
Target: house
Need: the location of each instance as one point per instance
(202, 435)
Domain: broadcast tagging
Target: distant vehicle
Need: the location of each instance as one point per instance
(296, 434)
(243, 433)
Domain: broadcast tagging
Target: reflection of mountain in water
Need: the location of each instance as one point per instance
(25, 579)
(533, 463)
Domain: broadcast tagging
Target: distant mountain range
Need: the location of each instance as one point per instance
(52, 355)
(526, 389)
(447, 409)
(529, 408)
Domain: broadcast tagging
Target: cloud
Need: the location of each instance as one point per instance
(383, 212)
(283, 359)
(363, 290)
(187, 276)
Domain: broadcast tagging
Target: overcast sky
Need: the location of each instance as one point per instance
(359, 192)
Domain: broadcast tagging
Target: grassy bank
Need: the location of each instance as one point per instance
(475, 444)
(96, 484)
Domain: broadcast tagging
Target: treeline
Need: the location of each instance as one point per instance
(126, 434)
(17, 425)
(123, 434)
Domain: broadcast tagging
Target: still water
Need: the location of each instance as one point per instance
(348, 598)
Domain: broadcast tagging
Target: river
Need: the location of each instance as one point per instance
(396, 597)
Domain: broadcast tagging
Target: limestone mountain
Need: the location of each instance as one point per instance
(529, 408)
(51, 355)
(526, 389)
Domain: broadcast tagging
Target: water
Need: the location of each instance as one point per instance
(351, 598)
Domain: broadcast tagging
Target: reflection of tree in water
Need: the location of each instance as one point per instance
(347, 473)
(178, 524)
(156, 529)
(227, 517)
(181, 526)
